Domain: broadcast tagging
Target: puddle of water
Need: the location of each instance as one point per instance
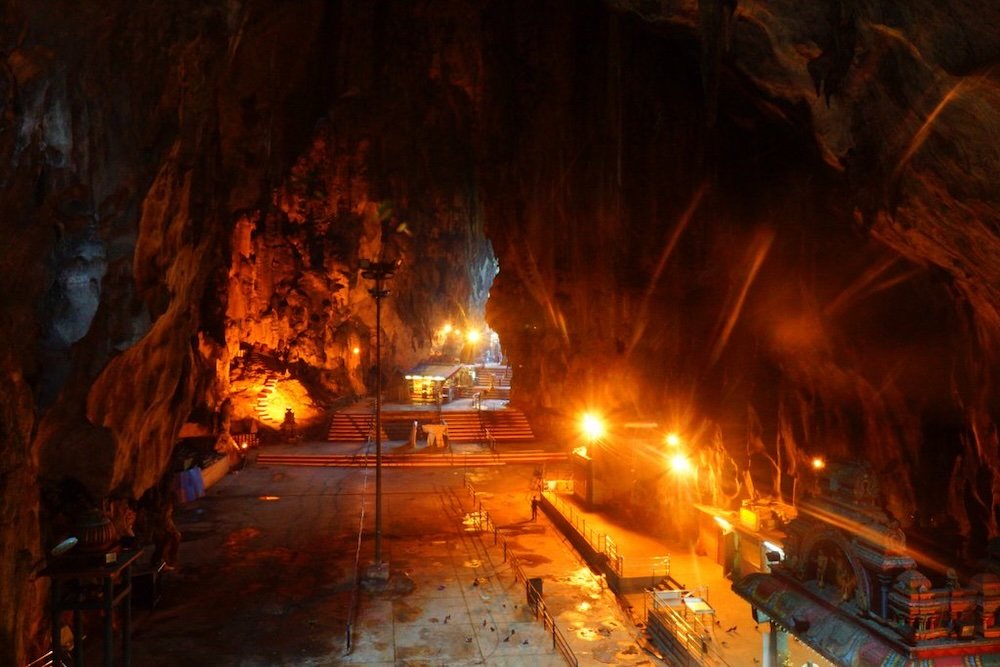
(586, 581)
(475, 562)
(238, 539)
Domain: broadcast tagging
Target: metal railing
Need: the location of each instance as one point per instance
(484, 522)
(655, 567)
(695, 639)
(246, 440)
(600, 542)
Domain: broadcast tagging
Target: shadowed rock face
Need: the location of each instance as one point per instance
(770, 222)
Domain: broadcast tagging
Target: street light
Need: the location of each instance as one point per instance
(592, 426)
(379, 272)
(681, 464)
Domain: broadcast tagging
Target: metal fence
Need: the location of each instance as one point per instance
(600, 542)
(694, 639)
(484, 522)
(655, 567)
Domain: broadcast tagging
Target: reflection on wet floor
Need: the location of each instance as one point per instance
(266, 584)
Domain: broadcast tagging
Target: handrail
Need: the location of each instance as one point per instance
(484, 522)
(604, 544)
(700, 646)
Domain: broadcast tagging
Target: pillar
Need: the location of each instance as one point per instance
(884, 584)
(775, 646)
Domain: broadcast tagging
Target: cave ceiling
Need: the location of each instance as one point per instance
(776, 224)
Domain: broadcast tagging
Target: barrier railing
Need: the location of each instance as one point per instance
(484, 522)
(695, 639)
(655, 567)
(600, 542)
(246, 440)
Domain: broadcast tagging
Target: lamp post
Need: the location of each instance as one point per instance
(379, 272)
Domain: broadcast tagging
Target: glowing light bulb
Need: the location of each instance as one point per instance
(680, 464)
(673, 440)
(355, 350)
(818, 463)
(592, 426)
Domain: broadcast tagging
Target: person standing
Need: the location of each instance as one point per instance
(534, 508)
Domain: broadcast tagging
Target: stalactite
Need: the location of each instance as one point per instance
(715, 18)
(787, 443)
(829, 69)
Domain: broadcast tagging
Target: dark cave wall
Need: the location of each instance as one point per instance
(171, 196)
(128, 145)
(390, 172)
(779, 222)
(797, 271)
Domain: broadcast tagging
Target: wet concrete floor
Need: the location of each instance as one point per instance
(266, 576)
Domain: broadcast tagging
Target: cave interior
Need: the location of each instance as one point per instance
(774, 227)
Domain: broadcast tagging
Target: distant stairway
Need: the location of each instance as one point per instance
(352, 427)
(507, 425)
(493, 382)
(464, 426)
(261, 407)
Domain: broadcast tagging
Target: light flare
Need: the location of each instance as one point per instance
(681, 464)
(864, 282)
(869, 534)
(925, 128)
(760, 250)
(592, 426)
(643, 317)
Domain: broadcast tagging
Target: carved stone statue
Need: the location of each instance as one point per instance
(821, 562)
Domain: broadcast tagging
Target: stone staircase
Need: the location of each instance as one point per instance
(493, 382)
(507, 425)
(464, 426)
(354, 427)
(261, 406)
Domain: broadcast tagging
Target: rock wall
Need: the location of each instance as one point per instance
(186, 181)
(131, 138)
(774, 219)
(768, 221)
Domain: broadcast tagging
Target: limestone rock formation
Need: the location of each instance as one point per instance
(775, 223)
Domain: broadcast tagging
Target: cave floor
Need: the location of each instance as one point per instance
(266, 576)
